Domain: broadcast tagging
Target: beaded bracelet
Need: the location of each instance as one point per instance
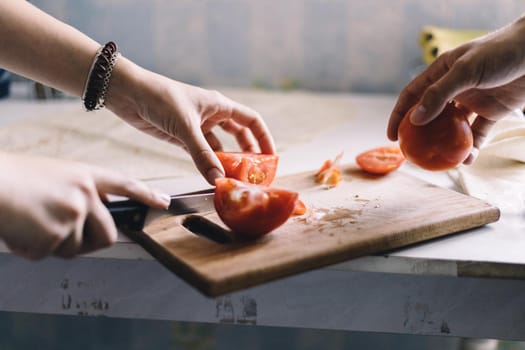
(97, 83)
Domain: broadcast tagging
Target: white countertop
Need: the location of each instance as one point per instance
(495, 250)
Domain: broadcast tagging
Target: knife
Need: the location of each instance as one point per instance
(131, 215)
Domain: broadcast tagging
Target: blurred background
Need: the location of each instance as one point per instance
(329, 45)
(358, 46)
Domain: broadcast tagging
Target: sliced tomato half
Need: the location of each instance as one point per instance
(380, 161)
(252, 210)
(254, 168)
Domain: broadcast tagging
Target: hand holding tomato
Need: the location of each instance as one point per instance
(187, 116)
(486, 76)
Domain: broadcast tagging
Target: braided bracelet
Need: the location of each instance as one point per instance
(97, 83)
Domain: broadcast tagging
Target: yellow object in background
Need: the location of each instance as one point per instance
(436, 40)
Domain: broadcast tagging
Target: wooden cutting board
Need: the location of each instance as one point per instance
(363, 215)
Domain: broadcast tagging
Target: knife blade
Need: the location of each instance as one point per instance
(132, 215)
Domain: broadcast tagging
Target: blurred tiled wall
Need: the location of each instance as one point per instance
(349, 45)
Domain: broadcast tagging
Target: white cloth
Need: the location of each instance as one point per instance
(498, 174)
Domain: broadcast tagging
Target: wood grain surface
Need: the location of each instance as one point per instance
(363, 215)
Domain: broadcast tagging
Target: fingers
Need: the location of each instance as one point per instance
(405, 101)
(435, 98)
(70, 247)
(480, 130)
(243, 135)
(111, 182)
(96, 229)
(203, 156)
(213, 141)
(243, 123)
(247, 117)
(99, 231)
(412, 94)
(65, 214)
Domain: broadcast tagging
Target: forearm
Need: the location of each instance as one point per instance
(38, 46)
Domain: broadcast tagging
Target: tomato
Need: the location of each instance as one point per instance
(329, 173)
(252, 210)
(254, 168)
(300, 208)
(380, 161)
(441, 144)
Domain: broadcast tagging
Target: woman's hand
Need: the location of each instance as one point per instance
(486, 75)
(54, 207)
(38, 46)
(185, 115)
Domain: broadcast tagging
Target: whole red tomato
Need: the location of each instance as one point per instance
(252, 210)
(254, 168)
(441, 144)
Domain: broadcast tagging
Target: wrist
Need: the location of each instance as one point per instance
(124, 87)
(99, 77)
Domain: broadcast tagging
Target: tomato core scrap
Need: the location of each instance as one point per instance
(330, 173)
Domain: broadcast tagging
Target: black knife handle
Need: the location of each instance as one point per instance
(128, 214)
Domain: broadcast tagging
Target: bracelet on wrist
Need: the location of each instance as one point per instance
(97, 82)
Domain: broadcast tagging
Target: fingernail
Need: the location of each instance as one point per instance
(165, 198)
(213, 174)
(418, 115)
(474, 155)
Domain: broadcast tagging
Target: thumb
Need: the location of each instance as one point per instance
(480, 131)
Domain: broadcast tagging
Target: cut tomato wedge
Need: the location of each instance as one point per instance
(380, 161)
(329, 173)
(252, 210)
(254, 168)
